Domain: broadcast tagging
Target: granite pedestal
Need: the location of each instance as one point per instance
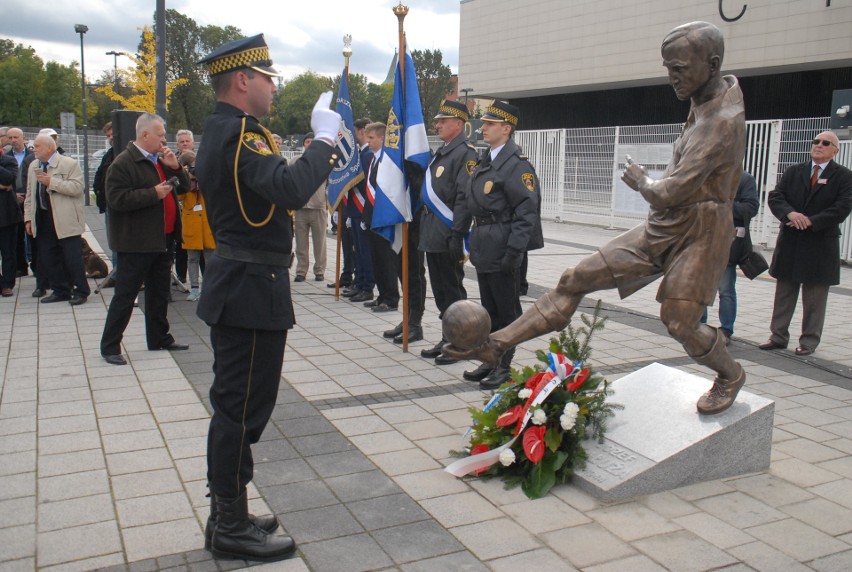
(659, 441)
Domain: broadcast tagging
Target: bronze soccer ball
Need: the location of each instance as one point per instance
(466, 324)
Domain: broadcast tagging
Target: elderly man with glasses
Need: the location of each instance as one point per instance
(811, 201)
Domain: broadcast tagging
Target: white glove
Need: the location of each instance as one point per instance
(334, 217)
(325, 123)
(363, 225)
(349, 223)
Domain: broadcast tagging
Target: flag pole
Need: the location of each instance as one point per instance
(341, 221)
(401, 12)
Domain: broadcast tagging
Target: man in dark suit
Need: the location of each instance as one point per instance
(811, 201)
(144, 218)
(248, 190)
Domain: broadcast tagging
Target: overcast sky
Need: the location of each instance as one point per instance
(302, 34)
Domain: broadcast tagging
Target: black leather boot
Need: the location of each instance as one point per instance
(235, 537)
(479, 373)
(267, 524)
(500, 374)
(435, 351)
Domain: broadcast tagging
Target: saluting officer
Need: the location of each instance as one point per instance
(250, 195)
(444, 187)
(503, 201)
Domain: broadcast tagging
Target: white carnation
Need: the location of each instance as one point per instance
(524, 393)
(567, 422)
(507, 457)
(571, 409)
(539, 417)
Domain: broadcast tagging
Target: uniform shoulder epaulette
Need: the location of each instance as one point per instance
(524, 157)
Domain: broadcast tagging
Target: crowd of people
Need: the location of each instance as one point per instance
(233, 208)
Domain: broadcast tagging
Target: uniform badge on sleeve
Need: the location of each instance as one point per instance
(529, 181)
(257, 143)
(470, 166)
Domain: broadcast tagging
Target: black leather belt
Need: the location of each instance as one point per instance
(487, 219)
(253, 256)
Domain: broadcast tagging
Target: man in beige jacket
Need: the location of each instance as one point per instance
(53, 213)
(311, 220)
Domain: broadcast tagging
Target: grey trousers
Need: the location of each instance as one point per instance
(814, 300)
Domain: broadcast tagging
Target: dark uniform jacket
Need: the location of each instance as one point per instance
(99, 184)
(136, 214)
(10, 212)
(451, 168)
(254, 218)
(503, 201)
(810, 256)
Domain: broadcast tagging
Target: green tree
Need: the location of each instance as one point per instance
(434, 79)
(60, 92)
(291, 111)
(21, 79)
(368, 99)
(186, 43)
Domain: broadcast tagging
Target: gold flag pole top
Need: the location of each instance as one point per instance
(401, 12)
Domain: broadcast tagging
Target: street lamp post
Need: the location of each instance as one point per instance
(82, 29)
(115, 55)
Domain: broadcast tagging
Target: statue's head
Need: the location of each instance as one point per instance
(692, 54)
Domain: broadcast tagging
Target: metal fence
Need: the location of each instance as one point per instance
(580, 169)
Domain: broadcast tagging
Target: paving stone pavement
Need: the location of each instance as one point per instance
(103, 467)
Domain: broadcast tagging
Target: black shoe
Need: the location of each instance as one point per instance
(77, 299)
(444, 360)
(343, 284)
(349, 292)
(478, 374)
(372, 303)
(55, 298)
(267, 524)
(38, 293)
(236, 537)
(299, 279)
(415, 334)
(498, 376)
(384, 308)
(362, 296)
(115, 359)
(172, 347)
(394, 332)
(319, 278)
(434, 351)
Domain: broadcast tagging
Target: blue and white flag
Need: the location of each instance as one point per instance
(405, 140)
(348, 170)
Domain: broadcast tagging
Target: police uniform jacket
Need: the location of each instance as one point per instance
(503, 202)
(450, 169)
(810, 256)
(250, 194)
(136, 214)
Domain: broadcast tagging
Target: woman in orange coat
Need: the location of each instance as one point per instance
(197, 236)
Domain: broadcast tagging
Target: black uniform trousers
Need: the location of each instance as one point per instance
(447, 277)
(385, 270)
(8, 254)
(347, 246)
(247, 372)
(60, 259)
(500, 296)
(154, 270)
(416, 274)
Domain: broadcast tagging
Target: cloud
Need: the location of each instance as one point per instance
(302, 35)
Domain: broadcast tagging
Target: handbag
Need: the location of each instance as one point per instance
(753, 265)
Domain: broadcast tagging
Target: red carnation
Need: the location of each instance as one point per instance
(534, 443)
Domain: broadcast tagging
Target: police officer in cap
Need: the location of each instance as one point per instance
(444, 188)
(503, 202)
(250, 194)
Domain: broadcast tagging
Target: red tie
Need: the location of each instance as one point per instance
(814, 176)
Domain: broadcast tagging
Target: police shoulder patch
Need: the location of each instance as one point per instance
(257, 143)
(470, 166)
(528, 179)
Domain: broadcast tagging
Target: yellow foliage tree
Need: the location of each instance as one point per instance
(142, 78)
